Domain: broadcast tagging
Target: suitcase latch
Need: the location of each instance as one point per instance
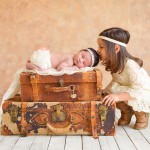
(58, 115)
(14, 113)
(103, 112)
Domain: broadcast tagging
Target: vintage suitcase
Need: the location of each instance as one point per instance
(76, 87)
(57, 118)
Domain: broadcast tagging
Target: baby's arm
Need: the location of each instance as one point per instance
(65, 65)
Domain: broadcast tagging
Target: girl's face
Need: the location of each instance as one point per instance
(82, 59)
(101, 49)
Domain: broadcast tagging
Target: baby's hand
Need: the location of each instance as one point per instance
(59, 68)
(110, 99)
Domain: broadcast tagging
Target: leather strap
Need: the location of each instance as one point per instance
(99, 81)
(93, 119)
(23, 121)
(33, 80)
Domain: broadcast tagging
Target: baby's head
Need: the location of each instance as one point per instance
(86, 58)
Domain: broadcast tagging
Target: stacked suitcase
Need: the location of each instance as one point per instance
(59, 105)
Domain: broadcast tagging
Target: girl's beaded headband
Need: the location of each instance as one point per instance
(112, 40)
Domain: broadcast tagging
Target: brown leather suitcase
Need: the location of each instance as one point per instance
(57, 118)
(76, 87)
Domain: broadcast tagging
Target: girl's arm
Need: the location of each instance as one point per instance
(116, 97)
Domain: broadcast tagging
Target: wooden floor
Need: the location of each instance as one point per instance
(126, 138)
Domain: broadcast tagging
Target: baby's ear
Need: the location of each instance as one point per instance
(117, 48)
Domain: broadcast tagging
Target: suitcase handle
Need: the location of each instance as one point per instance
(59, 130)
(60, 89)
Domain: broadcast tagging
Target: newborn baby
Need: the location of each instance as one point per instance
(43, 59)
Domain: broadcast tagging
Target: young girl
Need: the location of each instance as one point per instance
(43, 59)
(130, 85)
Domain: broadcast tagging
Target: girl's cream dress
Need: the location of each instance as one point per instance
(136, 82)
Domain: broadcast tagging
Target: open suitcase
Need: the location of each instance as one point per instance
(80, 86)
(57, 118)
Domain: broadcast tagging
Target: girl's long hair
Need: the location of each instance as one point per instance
(116, 62)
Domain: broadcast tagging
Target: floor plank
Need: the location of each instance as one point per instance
(135, 136)
(108, 143)
(144, 132)
(122, 138)
(89, 143)
(24, 143)
(40, 143)
(73, 143)
(2, 138)
(57, 143)
(8, 142)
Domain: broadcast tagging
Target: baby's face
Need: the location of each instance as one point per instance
(82, 59)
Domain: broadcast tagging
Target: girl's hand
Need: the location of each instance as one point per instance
(110, 99)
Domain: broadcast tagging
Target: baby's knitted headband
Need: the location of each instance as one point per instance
(92, 55)
(112, 40)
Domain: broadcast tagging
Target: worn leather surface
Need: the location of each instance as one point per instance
(54, 118)
(76, 87)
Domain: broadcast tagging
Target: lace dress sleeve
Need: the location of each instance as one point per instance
(134, 79)
(111, 87)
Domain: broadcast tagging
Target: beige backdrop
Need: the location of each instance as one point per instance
(68, 26)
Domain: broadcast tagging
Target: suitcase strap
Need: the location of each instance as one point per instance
(93, 119)
(23, 121)
(99, 81)
(35, 92)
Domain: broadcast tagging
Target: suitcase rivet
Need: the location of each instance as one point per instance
(91, 76)
(32, 76)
